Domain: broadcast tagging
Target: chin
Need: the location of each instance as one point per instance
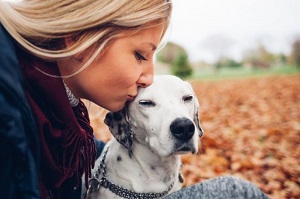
(115, 108)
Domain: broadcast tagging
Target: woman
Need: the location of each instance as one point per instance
(52, 54)
(98, 50)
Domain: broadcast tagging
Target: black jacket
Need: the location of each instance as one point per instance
(19, 149)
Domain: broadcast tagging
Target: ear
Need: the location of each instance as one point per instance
(196, 109)
(69, 41)
(119, 127)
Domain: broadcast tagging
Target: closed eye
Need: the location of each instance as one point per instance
(139, 56)
(146, 103)
(187, 98)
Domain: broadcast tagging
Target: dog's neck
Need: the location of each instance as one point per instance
(148, 172)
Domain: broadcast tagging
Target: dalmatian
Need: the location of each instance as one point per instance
(142, 160)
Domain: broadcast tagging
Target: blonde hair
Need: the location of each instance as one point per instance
(41, 26)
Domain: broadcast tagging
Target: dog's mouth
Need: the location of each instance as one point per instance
(184, 149)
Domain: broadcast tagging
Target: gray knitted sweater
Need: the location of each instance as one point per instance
(220, 188)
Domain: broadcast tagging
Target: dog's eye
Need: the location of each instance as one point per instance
(147, 103)
(187, 98)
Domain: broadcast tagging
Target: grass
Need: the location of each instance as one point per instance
(242, 72)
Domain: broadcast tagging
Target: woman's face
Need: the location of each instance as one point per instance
(114, 77)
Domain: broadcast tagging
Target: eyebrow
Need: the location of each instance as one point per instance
(154, 47)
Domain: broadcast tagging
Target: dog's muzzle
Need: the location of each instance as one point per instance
(183, 129)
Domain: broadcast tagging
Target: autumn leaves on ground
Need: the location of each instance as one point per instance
(252, 131)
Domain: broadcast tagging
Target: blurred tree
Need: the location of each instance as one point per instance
(282, 58)
(181, 66)
(296, 52)
(228, 63)
(264, 55)
(177, 58)
(170, 52)
(259, 57)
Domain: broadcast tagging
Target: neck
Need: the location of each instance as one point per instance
(140, 169)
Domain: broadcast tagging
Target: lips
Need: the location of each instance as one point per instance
(130, 98)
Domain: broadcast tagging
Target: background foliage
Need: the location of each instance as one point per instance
(175, 60)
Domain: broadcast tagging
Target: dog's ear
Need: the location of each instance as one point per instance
(119, 127)
(197, 122)
(196, 109)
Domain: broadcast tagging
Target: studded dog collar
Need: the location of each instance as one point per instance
(95, 184)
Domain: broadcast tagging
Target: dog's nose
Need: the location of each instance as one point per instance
(182, 128)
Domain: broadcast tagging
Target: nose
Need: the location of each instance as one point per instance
(182, 128)
(146, 78)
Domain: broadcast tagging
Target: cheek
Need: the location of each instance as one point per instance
(117, 73)
(120, 81)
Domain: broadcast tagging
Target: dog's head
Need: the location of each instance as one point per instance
(163, 117)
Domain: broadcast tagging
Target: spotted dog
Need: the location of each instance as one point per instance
(150, 134)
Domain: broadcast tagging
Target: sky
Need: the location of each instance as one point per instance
(208, 28)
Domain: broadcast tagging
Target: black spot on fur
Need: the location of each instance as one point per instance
(130, 154)
(108, 119)
(119, 158)
(117, 116)
(123, 128)
(167, 179)
(152, 167)
(180, 178)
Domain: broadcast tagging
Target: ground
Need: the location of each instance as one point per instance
(252, 131)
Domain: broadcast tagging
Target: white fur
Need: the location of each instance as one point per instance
(154, 162)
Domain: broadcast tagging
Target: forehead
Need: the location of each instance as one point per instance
(150, 36)
(165, 86)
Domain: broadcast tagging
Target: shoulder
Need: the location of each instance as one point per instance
(18, 132)
(7, 48)
(13, 102)
(11, 78)
(5, 39)
(10, 73)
